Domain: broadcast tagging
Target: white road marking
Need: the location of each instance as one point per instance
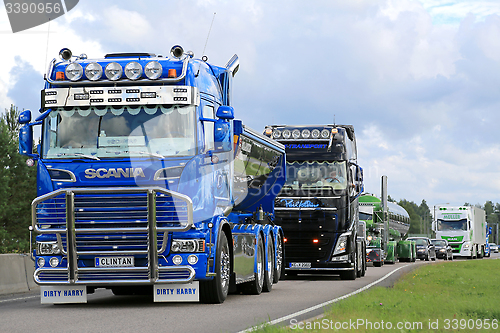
(299, 313)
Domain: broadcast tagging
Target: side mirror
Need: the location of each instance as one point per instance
(225, 112)
(26, 140)
(359, 173)
(25, 117)
(222, 135)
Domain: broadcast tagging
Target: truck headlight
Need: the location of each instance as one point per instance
(153, 70)
(188, 245)
(74, 71)
(466, 245)
(93, 71)
(48, 248)
(113, 71)
(133, 70)
(341, 243)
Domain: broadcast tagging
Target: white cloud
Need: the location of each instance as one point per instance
(418, 79)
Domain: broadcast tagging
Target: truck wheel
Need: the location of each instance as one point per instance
(255, 287)
(279, 268)
(269, 269)
(215, 291)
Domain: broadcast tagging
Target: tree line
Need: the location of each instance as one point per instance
(17, 187)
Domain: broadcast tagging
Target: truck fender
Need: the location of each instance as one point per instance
(221, 224)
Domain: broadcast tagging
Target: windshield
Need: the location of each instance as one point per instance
(419, 241)
(439, 242)
(316, 175)
(97, 132)
(443, 225)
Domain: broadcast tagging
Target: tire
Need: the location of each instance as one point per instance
(255, 287)
(427, 257)
(215, 291)
(269, 266)
(279, 268)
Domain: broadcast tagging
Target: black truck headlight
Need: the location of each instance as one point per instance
(188, 245)
(341, 246)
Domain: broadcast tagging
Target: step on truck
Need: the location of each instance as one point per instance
(147, 184)
(464, 227)
(318, 205)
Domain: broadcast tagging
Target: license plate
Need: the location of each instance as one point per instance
(300, 265)
(177, 292)
(114, 262)
(63, 294)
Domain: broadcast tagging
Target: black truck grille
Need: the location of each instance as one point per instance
(311, 239)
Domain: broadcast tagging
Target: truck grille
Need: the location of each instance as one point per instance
(299, 246)
(111, 221)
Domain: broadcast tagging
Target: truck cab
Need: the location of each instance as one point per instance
(146, 181)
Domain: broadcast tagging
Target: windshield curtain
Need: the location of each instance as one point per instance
(159, 130)
(316, 175)
(446, 225)
(365, 216)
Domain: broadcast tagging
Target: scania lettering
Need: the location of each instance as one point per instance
(112, 172)
(318, 205)
(147, 183)
(464, 227)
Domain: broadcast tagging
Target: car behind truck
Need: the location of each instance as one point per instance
(147, 184)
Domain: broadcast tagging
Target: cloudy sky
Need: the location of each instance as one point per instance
(418, 79)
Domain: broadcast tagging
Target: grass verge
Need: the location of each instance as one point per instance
(457, 296)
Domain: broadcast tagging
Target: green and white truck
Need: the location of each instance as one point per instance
(464, 227)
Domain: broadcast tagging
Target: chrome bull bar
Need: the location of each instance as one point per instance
(130, 275)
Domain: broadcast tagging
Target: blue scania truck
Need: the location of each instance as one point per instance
(318, 205)
(147, 184)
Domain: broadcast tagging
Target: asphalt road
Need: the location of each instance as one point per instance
(105, 312)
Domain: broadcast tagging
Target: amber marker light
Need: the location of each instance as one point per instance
(285, 240)
(172, 72)
(59, 76)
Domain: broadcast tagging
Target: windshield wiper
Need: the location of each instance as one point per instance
(137, 152)
(80, 154)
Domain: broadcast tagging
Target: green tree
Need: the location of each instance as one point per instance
(416, 226)
(17, 187)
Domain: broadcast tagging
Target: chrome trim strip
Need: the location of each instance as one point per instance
(72, 175)
(71, 237)
(192, 273)
(152, 238)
